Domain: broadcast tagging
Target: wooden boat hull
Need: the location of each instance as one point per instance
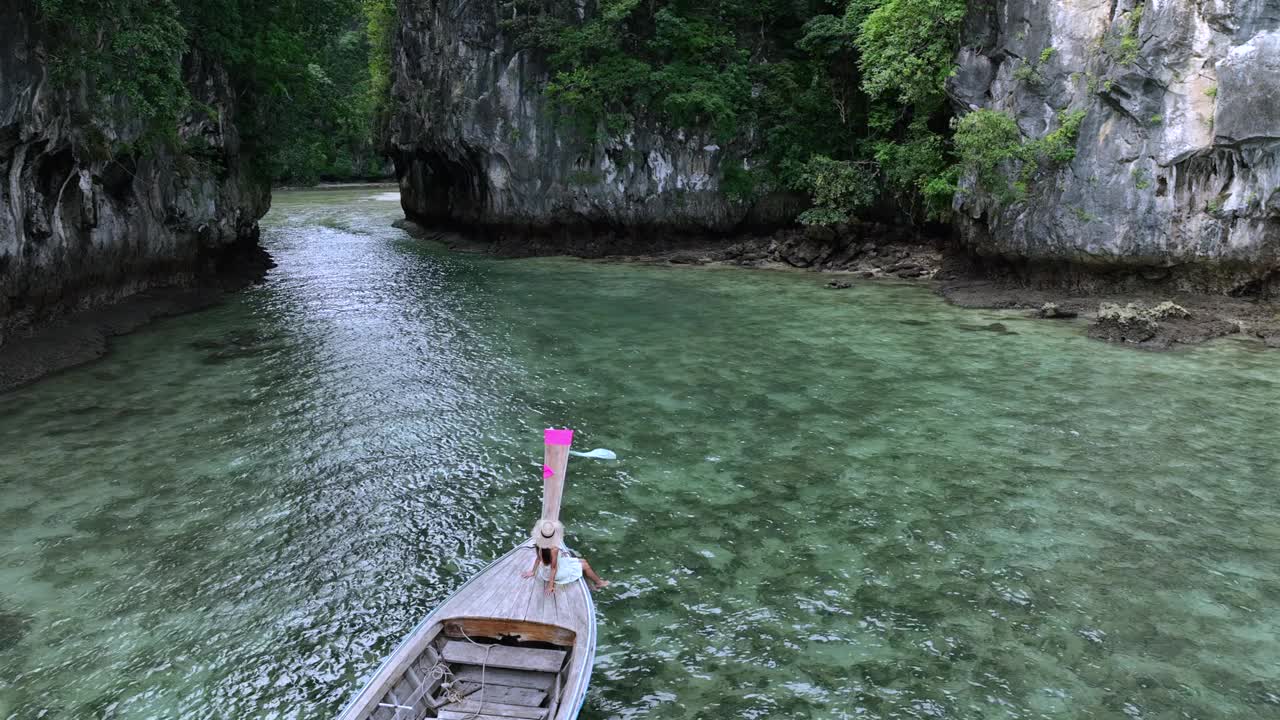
(499, 637)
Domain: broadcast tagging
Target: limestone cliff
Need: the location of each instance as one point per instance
(477, 144)
(90, 209)
(1177, 166)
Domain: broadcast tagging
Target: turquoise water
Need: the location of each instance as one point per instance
(862, 503)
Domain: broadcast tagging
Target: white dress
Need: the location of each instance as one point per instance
(568, 569)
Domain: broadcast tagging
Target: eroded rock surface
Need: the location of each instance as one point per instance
(1177, 171)
(477, 145)
(91, 210)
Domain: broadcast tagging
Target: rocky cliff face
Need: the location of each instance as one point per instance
(91, 211)
(477, 144)
(1177, 171)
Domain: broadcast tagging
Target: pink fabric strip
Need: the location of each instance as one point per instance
(552, 436)
(547, 472)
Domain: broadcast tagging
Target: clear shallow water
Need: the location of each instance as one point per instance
(828, 504)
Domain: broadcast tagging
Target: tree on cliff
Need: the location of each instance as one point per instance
(301, 68)
(847, 106)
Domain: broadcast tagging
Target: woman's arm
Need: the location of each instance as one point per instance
(537, 560)
(555, 565)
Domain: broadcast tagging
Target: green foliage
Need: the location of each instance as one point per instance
(125, 48)
(991, 148)
(1126, 50)
(1212, 92)
(739, 183)
(985, 141)
(1059, 146)
(918, 172)
(827, 97)
(301, 70)
(1123, 48)
(1141, 179)
(583, 178)
(1029, 74)
(908, 47)
(380, 20)
(1081, 214)
(1156, 119)
(682, 61)
(1029, 71)
(840, 189)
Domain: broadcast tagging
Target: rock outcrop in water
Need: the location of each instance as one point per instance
(478, 145)
(1176, 176)
(92, 211)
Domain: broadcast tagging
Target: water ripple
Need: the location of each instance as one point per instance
(823, 507)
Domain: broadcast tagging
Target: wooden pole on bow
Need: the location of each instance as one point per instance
(554, 463)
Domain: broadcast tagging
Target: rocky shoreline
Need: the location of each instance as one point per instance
(80, 337)
(1139, 315)
(1149, 319)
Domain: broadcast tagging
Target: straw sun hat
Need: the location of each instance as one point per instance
(548, 533)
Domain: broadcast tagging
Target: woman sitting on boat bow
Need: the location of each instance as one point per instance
(554, 566)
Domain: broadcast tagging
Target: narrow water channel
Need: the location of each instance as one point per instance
(862, 503)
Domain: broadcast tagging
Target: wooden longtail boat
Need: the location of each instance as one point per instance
(501, 648)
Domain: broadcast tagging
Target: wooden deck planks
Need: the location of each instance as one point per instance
(504, 656)
(502, 593)
(513, 695)
(495, 584)
(574, 607)
(512, 602)
(509, 678)
(542, 607)
(472, 706)
(448, 715)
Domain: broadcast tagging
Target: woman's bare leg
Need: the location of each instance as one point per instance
(595, 579)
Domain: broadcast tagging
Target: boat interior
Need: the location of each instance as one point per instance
(482, 669)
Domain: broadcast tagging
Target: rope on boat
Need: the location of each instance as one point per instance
(442, 671)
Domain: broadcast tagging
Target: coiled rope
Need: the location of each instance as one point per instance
(442, 672)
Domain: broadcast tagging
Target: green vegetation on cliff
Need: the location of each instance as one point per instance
(1002, 162)
(842, 100)
(303, 69)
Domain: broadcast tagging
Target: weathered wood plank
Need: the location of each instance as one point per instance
(480, 593)
(471, 705)
(492, 628)
(542, 607)
(512, 678)
(504, 656)
(505, 694)
(422, 691)
(555, 697)
(448, 715)
(521, 590)
(463, 689)
(380, 686)
(474, 600)
(459, 689)
(511, 602)
(573, 611)
(512, 695)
